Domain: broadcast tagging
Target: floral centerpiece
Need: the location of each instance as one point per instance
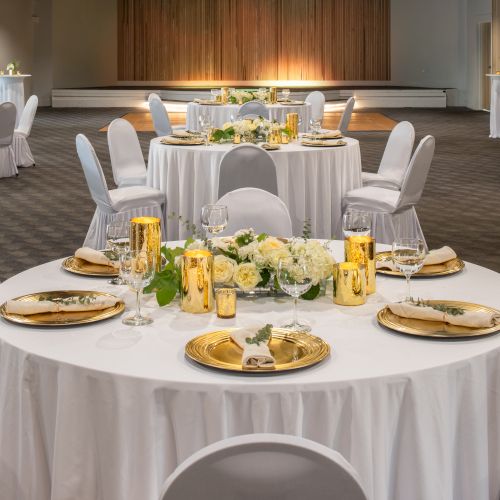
(251, 129)
(241, 96)
(247, 261)
(13, 66)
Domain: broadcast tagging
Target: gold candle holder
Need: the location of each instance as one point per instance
(273, 95)
(284, 139)
(225, 300)
(361, 250)
(197, 290)
(224, 93)
(145, 235)
(236, 139)
(292, 124)
(274, 136)
(349, 284)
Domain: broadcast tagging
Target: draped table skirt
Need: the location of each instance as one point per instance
(12, 89)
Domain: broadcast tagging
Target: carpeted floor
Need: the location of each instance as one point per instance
(45, 212)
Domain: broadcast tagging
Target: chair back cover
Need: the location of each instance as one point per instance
(247, 165)
(267, 466)
(93, 174)
(27, 116)
(317, 101)
(161, 121)
(253, 108)
(346, 115)
(258, 209)
(416, 175)
(7, 123)
(125, 152)
(397, 152)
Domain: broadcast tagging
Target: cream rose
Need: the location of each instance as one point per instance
(270, 244)
(247, 276)
(224, 268)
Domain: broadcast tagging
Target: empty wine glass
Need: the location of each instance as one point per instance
(356, 223)
(138, 270)
(408, 255)
(286, 94)
(206, 126)
(294, 278)
(118, 241)
(215, 93)
(315, 125)
(214, 218)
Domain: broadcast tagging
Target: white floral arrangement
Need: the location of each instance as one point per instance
(257, 127)
(241, 96)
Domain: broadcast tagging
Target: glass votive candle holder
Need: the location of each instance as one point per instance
(349, 284)
(225, 301)
(284, 139)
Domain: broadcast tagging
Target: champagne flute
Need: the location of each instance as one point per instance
(138, 270)
(118, 240)
(206, 126)
(286, 94)
(356, 223)
(294, 278)
(408, 255)
(214, 218)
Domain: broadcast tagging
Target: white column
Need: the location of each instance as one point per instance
(495, 107)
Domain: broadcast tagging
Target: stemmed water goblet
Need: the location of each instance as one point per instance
(408, 255)
(356, 223)
(315, 125)
(286, 94)
(206, 127)
(214, 218)
(118, 241)
(215, 93)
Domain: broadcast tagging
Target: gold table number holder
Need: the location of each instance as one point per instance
(349, 284)
(361, 250)
(145, 234)
(197, 290)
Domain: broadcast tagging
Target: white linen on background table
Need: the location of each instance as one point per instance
(495, 107)
(12, 89)
(220, 114)
(88, 415)
(311, 182)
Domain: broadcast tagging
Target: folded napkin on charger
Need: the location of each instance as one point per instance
(319, 142)
(253, 342)
(66, 304)
(183, 133)
(96, 257)
(169, 139)
(446, 314)
(206, 101)
(331, 134)
(438, 256)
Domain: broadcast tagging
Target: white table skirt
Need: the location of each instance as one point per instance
(495, 107)
(12, 89)
(88, 414)
(311, 181)
(221, 114)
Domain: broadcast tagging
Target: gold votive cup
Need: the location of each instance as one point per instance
(145, 235)
(225, 300)
(284, 139)
(224, 94)
(274, 136)
(197, 290)
(292, 124)
(349, 284)
(236, 139)
(273, 95)
(361, 249)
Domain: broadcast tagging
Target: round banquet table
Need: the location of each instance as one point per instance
(311, 181)
(104, 412)
(12, 89)
(222, 113)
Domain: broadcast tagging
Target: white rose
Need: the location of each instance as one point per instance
(269, 245)
(224, 268)
(247, 276)
(222, 243)
(197, 245)
(227, 125)
(248, 250)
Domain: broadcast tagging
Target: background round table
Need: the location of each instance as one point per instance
(311, 182)
(12, 89)
(222, 113)
(100, 412)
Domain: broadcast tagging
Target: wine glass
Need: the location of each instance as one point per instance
(408, 255)
(138, 270)
(294, 278)
(118, 241)
(215, 93)
(315, 124)
(286, 94)
(261, 94)
(356, 223)
(206, 127)
(214, 218)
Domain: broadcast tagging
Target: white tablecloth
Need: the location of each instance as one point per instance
(221, 114)
(12, 89)
(495, 107)
(87, 413)
(311, 181)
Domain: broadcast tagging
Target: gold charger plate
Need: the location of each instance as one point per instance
(435, 329)
(291, 103)
(290, 349)
(325, 143)
(79, 266)
(62, 318)
(178, 141)
(210, 103)
(451, 267)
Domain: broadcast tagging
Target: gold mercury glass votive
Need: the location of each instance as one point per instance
(273, 95)
(284, 139)
(224, 93)
(197, 290)
(225, 300)
(349, 284)
(236, 139)
(292, 124)
(361, 249)
(145, 235)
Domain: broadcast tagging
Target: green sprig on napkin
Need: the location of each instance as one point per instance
(262, 335)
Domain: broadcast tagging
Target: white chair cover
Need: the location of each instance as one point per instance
(127, 202)
(247, 165)
(395, 160)
(346, 115)
(253, 108)
(317, 101)
(127, 161)
(159, 114)
(258, 209)
(269, 466)
(7, 123)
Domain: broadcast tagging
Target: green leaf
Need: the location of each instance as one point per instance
(262, 237)
(265, 275)
(188, 242)
(167, 293)
(312, 293)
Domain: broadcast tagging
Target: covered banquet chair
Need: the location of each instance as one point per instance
(22, 151)
(126, 202)
(258, 209)
(394, 214)
(127, 161)
(345, 119)
(247, 165)
(159, 114)
(317, 101)
(7, 123)
(271, 466)
(395, 159)
(253, 109)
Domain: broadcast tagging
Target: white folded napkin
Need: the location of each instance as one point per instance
(66, 304)
(438, 256)
(255, 355)
(183, 133)
(182, 140)
(439, 312)
(319, 142)
(96, 257)
(331, 134)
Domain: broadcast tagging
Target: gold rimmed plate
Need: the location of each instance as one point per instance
(62, 318)
(325, 143)
(79, 266)
(452, 266)
(436, 329)
(291, 351)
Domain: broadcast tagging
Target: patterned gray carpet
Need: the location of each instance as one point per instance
(45, 212)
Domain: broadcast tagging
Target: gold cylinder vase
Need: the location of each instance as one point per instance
(197, 290)
(145, 234)
(349, 284)
(292, 124)
(273, 95)
(361, 250)
(224, 95)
